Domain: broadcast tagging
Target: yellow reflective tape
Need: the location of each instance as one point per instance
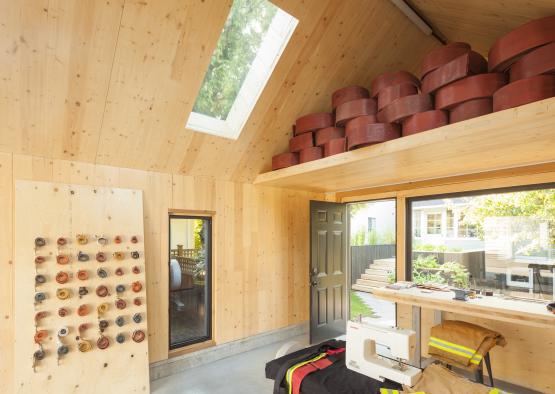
(449, 350)
(389, 391)
(461, 347)
(497, 391)
(290, 371)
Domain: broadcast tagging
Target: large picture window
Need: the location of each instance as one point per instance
(190, 280)
(499, 240)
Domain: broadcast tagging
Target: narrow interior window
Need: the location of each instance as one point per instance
(252, 40)
(190, 286)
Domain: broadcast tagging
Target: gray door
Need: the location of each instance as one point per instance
(328, 237)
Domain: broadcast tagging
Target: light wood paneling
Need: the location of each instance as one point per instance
(515, 137)
(260, 245)
(528, 358)
(57, 209)
(56, 62)
(114, 82)
(481, 22)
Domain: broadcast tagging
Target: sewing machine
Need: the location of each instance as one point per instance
(361, 353)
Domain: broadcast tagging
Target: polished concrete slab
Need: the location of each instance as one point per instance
(243, 373)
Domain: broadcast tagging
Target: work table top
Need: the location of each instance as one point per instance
(494, 307)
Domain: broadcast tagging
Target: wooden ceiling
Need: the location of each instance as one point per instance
(481, 22)
(113, 81)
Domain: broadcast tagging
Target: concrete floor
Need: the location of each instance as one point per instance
(243, 374)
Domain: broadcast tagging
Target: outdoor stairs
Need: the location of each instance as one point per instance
(375, 275)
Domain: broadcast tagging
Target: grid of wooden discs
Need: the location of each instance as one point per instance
(56, 295)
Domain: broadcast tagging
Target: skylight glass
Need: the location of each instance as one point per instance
(252, 40)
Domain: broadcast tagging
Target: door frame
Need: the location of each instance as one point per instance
(193, 346)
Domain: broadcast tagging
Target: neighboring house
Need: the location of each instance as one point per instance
(375, 217)
(441, 222)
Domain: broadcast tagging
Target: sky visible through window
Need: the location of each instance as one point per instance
(242, 35)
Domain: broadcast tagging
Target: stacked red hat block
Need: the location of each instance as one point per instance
(455, 84)
(402, 104)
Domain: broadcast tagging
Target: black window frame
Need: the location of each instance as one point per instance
(469, 193)
(208, 282)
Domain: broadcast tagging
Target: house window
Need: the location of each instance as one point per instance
(466, 229)
(416, 224)
(371, 224)
(433, 223)
(450, 230)
(190, 286)
(252, 41)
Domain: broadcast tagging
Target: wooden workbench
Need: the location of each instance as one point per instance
(494, 308)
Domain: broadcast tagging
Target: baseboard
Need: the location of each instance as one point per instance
(162, 369)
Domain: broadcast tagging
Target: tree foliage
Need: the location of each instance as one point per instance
(244, 29)
(538, 204)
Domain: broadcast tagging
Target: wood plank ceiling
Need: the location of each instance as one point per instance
(113, 81)
(481, 22)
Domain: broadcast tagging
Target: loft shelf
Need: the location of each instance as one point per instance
(512, 138)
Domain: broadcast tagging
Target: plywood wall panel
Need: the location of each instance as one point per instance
(6, 274)
(54, 211)
(260, 246)
(56, 62)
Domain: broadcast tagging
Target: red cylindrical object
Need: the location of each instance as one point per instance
(370, 134)
(386, 79)
(300, 142)
(507, 49)
(335, 146)
(283, 160)
(392, 93)
(353, 109)
(313, 122)
(474, 87)
(423, 121)
(440, 56)
(347, 94)
(524, 91)
(309, 154)
(404, 107)
(539, 61)
(471, 109)
(359, 121)
(468, 64)
(327, 134)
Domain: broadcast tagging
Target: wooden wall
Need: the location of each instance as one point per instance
(529, 358)
(81, 80)
(260, 247)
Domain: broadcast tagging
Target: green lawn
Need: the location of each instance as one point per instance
(358, 307)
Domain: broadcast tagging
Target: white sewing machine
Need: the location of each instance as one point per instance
(361, 353)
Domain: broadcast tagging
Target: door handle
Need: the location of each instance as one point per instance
(313, 283)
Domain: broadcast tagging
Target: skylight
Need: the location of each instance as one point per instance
(252, 40)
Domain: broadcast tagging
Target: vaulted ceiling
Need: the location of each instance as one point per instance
(113, 81)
